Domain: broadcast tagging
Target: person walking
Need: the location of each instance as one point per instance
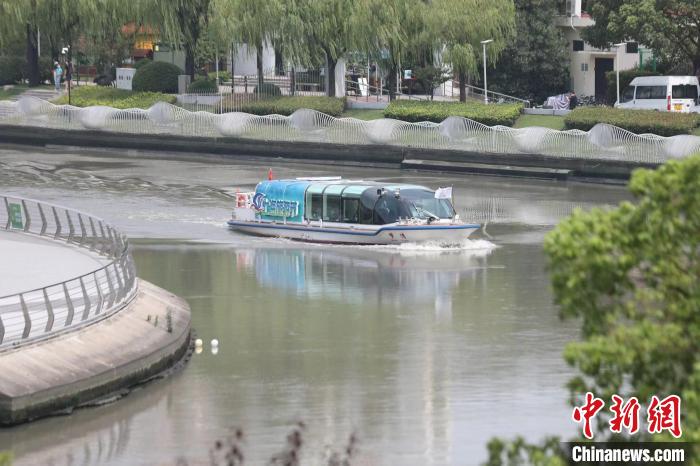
(57, 73)
(573, 100)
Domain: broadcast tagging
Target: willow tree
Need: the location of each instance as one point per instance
(389, 29)
(320, 29)
(252, 22)
(61, 21)
(461, 25)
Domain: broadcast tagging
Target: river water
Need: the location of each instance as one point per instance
(424, 353)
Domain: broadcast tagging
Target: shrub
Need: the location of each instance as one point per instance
(268, 89)
(421, 110)
(626, 78)
(11, 69)
(86, 96)
(157, 76)
(223, 76)
(103, 80)
(141, 63)
(287, 105)
(203, 85)
(636, 121)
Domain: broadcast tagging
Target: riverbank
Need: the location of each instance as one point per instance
(529, 165)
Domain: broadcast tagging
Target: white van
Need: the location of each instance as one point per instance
(662, 93)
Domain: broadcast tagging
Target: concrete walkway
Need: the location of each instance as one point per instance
(30, 262)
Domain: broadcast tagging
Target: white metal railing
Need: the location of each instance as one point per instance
(451, 89)
(454, 133)
(40, 313)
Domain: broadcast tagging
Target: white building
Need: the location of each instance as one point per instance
(588, 64)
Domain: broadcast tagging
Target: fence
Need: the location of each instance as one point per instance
(45, 312)
(602, 142)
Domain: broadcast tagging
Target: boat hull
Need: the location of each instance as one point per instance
(358, 234)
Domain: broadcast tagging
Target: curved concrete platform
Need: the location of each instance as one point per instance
(149, 335)
(29, 259)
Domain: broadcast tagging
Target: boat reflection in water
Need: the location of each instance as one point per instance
(406, 275)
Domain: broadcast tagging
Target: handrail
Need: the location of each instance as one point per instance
(526, 103)
(47, 311)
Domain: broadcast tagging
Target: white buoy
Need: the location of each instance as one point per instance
(214, 343)
(198, 342)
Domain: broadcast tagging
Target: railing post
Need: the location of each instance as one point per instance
(94, 235)
(27, 319)
(49, 311)
(71, 229)
(58, 224)
(86, 300)
(103, 248)
(28, 220)
(83, 234)
(69, 305)
(112, 296)
(9, 215)
(43, 220)
(120, 286)
(100, 297)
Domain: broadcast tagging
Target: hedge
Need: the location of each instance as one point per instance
(636, 121)
(157, 76)
(421, 110)
(86, 96)
(626, 78)
(203, 85)
(268, 89)
(287, 105)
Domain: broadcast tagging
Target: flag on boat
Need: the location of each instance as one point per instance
(443, 193)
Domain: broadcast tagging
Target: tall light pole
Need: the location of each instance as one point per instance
(486, 91)
(617, 69)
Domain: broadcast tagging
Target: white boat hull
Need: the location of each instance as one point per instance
(440, 232)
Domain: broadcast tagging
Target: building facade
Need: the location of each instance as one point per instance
(588, 64)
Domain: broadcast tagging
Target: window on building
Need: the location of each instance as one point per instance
(564, 7)
(632, 47)
(651, 92)
(578, 46)
(584, 66)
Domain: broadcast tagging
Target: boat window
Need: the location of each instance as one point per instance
(387, 210)
(366, 214)
(422, 204)
(351, 210)
(331, 208)
(314, 206)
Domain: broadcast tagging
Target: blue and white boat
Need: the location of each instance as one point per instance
(333, 210)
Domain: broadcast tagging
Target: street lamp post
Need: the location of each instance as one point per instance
(617, 69)
(486, 91)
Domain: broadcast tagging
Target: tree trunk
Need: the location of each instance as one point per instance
(279, 62)
(330, 71)
(462, 86)
(392, 81)
(189, 62)
(259, 63)
(32, 56)
(696, 65)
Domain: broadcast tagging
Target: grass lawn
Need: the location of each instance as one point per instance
(12, 91)
(363, 114)
(546, 121)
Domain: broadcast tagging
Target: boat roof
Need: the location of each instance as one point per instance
(337, 181)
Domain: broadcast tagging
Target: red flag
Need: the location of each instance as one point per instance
(269, 174)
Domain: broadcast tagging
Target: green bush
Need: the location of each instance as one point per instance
(636, 121)
(86, 96)
(268, 89)
(11, 68)
(157, 76)
(203, 85)
(143, 62)
(626, 78)
(286, 105)
(223, 76)
(421, 110)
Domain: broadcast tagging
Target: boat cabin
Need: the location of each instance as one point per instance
(346, 201)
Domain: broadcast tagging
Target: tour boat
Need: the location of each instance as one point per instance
(333, 210)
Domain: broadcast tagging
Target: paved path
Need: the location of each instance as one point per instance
(29, 262)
